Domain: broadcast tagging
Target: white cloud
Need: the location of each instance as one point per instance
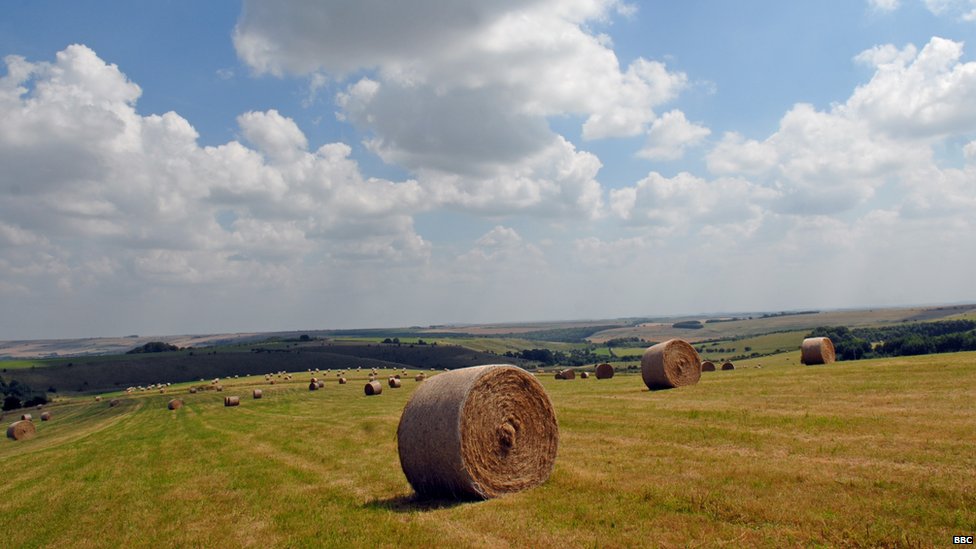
(884, 5)
(965, 10)
(670, 135)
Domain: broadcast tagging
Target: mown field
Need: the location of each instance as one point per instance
(872, 453)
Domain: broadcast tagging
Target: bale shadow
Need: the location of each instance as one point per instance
(413, 503)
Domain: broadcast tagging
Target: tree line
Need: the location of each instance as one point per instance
(917, 338)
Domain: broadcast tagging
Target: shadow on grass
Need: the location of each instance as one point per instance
(413, 503)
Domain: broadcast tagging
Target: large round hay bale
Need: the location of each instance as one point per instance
(45, 416)
(26, 417)
(114, 402)
(313, 386)
(817, 350)
(272, 382)
(175, 404)
(98, 399)
(397, 376)
(321, 384)
(479, 432)
(584, 375)
(708, 366)
(220, 388)
(673, 363)
(420, 377)
(373, 388)
(21, 430)
(394, 382)
(728, 366)
(342, 381)
(257, 393)
(232, 401)
(604, 371)
(193, 390)
(568, 373)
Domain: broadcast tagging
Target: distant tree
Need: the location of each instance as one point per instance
(304, 337)
(387, 340)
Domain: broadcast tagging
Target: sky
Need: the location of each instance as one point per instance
(180, 167)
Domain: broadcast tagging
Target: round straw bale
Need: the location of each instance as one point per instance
(257, 393)
(232, 401)
(114, 402)
(373, 388)
(175, 404)
(817, 350)
(419, 377)
(604, 371)
(478, 432)
(39, 406)
(320, 383)
(397, 376)
(26, 417)
(21, 430)
(673, 363)
(98, 399)
(272, 382)
(728, 366)
(312, 386)
(568, 373)
(220, 387)
(395, 383)
(193, 390)
(342, 381)
(708, 366)
(315, 380)
(584, 375)
(45, 416)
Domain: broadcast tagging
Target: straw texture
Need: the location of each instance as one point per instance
(478, 432)
(21, 430)
(728, 366)
(175, 404)
(373, 388)
(671, 364)
(257, 393)
(817, 350)
(232, 401)
(45, 416)
(604, 371)
(708, 366)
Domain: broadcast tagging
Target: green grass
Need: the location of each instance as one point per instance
(867, 453)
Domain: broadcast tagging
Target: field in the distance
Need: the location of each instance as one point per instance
(870, 453)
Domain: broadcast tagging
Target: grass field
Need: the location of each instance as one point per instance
(872, 453)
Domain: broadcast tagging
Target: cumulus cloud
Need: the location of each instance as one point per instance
(884, 5)
(670, 135)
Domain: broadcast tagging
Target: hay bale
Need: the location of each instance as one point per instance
(604, 371)
(708, 366)
(175, 404)
(312, 386)
(398, 376)
(257, 393)
(232, 401)
(272, 382)
(568, 373)
(26, 417)
(478, 432)
(584, 375)
(315, 380)
(728, 365)
(98, 399)
(373, 388)
(817, 350)
(193, 390)
(420, 377)
(671, 364)
(321, 384)
(45, 416)
(395, 383)
(114, 402)
(21, 430)
(342, 381)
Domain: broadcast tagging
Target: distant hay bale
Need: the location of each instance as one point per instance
(671, 364)
(708, 366)
(257, 393)
(272, 382)
(98, 399)
(45, 416)
(584, 375)
(604, 371)
(342, 381)
(397, 376)
(161, 390)
(321, 384)
(114, 402)
(21, 430)
(568, 373)
(193, 390)
(728, 366)
(315, 380)
(373, 388)
(175, 404)
(478, 432)
(395, 383)
(419, 377)
(220, 387)
(232, 401)
(26, 417)
(817, 350)
(313, 386)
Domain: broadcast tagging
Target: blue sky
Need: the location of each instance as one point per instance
(182, 166)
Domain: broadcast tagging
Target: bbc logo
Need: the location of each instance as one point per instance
(962, 540)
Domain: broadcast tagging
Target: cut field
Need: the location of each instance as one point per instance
(868, 453)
